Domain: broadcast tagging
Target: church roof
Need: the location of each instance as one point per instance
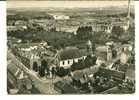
(70, 53)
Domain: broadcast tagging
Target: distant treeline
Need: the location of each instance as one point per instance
(102, 15)
(26, 17)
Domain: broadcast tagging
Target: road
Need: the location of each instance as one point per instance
(44, 86)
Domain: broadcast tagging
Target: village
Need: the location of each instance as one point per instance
(61, 54)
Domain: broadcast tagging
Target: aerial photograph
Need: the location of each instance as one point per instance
(70, 47)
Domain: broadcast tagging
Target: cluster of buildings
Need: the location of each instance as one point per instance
(107, 54)
(16, 25)
(114, 62)
(102, 76)
(64, 23)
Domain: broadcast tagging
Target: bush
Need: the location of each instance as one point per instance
(61, 72)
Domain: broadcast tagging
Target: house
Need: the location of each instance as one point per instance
(102, 26)
(125, 54)
(35, 52)
(107, 52)
(16, 78)
(64, 87)
(11, 28)
(70, 55)
(61, 17)
(100, 61)
(117, 75)
(91, 71)
(101, 51)
(20, 23)
(79, 78)
(15, 28)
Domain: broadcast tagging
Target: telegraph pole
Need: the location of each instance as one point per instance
(128, 13)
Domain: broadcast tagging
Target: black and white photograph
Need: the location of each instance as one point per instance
(70, 47)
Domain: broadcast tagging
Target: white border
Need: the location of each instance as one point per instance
(3, 65)
(136, 44)
(3, 47)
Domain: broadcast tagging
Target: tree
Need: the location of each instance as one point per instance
(62, 72)
(35, 66)
(41, 71)
(90, 61)
(43, 67)
(84, 32)
(117, 31)
(44, 64)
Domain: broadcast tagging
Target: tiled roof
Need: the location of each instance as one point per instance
(70, 53)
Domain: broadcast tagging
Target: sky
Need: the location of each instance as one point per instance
(67, 0)
(66, 4)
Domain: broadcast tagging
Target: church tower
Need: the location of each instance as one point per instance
(90, 47)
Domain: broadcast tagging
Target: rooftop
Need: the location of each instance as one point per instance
(70, 53)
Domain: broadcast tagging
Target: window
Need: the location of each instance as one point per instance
(63, 62)
(68, 62)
